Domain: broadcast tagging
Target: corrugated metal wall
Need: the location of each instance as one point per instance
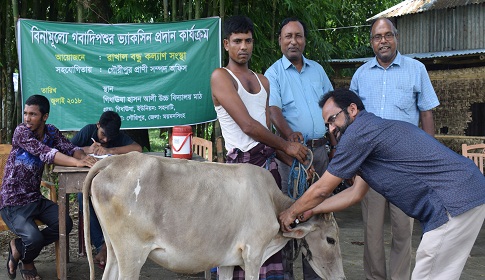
(457, 90)
(460, 28)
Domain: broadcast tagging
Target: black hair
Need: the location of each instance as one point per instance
(393, 27)
(290, 19)
(343, 98)
(237, 24)
(41, 101)
(111, 122)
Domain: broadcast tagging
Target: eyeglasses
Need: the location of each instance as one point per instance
(388, 37)
(332, 118)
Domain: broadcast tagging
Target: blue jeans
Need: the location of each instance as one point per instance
(97, 238)
(20, 220)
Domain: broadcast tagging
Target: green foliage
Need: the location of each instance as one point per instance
(157, 140)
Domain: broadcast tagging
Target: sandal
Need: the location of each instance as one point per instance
(30, 272)
(15, 263)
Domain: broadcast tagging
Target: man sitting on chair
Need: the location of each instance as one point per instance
(34, 144)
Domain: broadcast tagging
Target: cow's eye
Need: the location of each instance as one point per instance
(330, 240)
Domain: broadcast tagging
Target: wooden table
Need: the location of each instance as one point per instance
(71, 180)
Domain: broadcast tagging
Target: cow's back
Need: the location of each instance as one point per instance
(186, 210)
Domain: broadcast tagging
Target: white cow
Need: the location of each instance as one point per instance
(189, 216)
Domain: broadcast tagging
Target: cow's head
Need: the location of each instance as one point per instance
(321, 234)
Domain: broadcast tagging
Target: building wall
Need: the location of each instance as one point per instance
(459, 28)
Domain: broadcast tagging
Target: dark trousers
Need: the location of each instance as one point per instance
(20, 220)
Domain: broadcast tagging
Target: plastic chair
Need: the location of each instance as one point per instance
(476, 153)
(202, 147)
(4, 153)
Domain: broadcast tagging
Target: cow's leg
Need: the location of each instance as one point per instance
(252, 264)
(225, 272)
(111, 269)
(251, 271)
(130, 256)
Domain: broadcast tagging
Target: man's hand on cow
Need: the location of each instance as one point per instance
(297, 150)
(303, 217)
(288, 221)
(286, 218)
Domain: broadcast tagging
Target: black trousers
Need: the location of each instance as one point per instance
(20, 220)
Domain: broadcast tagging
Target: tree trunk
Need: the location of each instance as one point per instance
(36, 9)
(9, 120)
(23, 8)
(16, 105)
(68, 13)
(273, 24)
(165, 10)
(190, 9)
(235, 7)
(214, 7)
(79, 9)
(222, 13)
(53, 10)
(174, 10)
(209, 8)
(15, 9)
(197, 9)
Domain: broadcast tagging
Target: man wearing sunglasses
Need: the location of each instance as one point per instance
(394, 87)
(444, 190)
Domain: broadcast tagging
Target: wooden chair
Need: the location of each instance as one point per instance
(202, 147)
(4, 153)
(476, 153)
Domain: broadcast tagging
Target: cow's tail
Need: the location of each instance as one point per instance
(98, 167)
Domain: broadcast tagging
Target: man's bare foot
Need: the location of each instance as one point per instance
(14, 258)
(29, 272)
(100, 258)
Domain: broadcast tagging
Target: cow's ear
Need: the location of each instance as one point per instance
(300, 231)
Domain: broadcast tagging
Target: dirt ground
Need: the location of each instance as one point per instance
(351, 241)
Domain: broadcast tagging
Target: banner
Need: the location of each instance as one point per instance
(152, 75)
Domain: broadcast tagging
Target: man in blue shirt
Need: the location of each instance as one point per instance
(427, 181)
(394, 87)
(296, 86)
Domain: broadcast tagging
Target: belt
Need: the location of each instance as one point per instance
(315, 143)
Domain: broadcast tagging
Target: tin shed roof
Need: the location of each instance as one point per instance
(417, 6)
(447, 57)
